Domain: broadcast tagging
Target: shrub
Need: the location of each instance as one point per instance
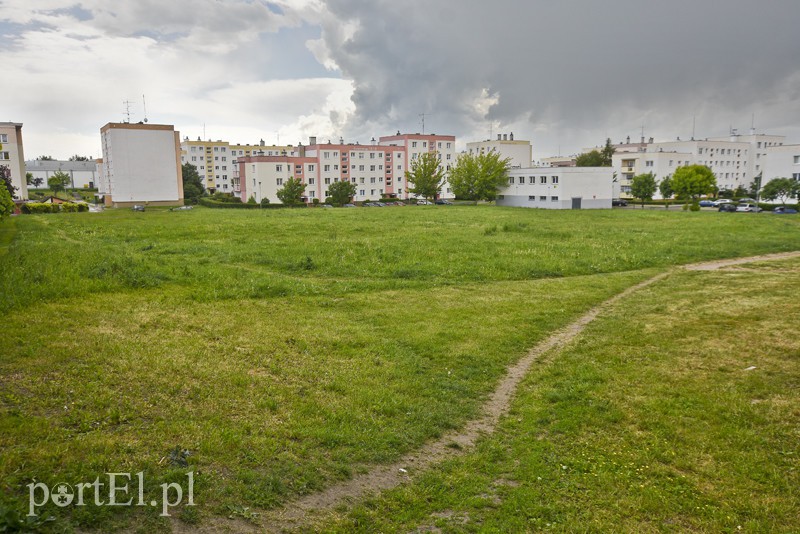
(209, 203)
(34, 208)
(315, 202)
(264, 202)
(694, 206)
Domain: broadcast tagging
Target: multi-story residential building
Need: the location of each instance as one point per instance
(520, 153)
(12, 156)
(216, 160)
(782, 161)
(141, 165)
(734, 160)
(377, 170)
(81, 173)
(558, 188)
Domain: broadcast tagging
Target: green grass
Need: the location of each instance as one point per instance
(651, 421)
(287, 349)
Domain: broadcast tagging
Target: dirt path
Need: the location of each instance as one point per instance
(300, 512)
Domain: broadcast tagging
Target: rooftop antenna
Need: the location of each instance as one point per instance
(694, 124)
(144, 105)
(278, 137)
(423, 122)
(127, 104)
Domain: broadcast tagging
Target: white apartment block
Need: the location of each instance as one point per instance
(559, 188)
(12, 156)
(141, 165)
(216, 160)
(377, 170)
(735, 160)
(520, 153)
(782, 161)
(81, 173)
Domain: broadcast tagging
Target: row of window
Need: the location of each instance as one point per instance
(542, 198)
(532, 180)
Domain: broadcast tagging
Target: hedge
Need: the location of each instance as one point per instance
(43, 207)
(207, 202)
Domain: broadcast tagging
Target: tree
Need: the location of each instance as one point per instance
(426, 176)
(292, 192)
(692, 181)
(5, 178)
(76, 157)
(6, 203)
(597, 158)
(781, 188)
(192, 183)
(45, 158)
(643, 187)
(58, 181)
(341, 192)
(29, 178)
(589, 159)
(665, 188)
(479, 176)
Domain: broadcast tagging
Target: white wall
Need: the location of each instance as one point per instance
(555, 188)
(16, 157)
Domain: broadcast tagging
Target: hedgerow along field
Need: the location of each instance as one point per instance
(288, 349)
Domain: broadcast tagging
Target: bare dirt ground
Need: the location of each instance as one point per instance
(299, 513)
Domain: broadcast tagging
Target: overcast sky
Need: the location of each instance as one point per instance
(565, 74)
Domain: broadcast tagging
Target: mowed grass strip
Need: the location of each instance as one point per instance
(679, 411)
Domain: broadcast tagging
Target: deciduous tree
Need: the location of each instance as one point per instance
(781, 189)
(426, 175)
(692, 181)
(192, 184)
(291, 194)
(643, 187)
(58, 181)
(341, 192)
(479, 176)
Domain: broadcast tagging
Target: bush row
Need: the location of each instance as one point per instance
(209, 203)
(42, 207)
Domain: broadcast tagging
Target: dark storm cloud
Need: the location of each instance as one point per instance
(577, 65)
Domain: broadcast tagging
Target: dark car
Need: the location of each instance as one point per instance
(619, 202)
(783, 209)
(443, 202)
(706, 203)
(727, 207)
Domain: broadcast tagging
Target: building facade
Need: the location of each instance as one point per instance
(378, 169)
(12, 156)
(82, 173)
(141, 165)
(781, 161)
(520, 153)
(559, 188)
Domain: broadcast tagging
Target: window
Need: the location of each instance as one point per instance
(278, 168)
(511, 181)
(531, 179)
(424, 144)
(797, 160)
(326, 155)
(796, 176)
(279, 181)
(414, 144)
(311, 181)
(372, 180)
(522, 179)
(4, 156)
(327, 181)
(224, 167)
(216, 158)
(224, 158)
(311, 194)
(360, 155)
(216, 149)
(448, 145)
(336, 167)
(554, 199)
(532, 198)
(555, 179)
(372, 155)
(543, 179)
(542, 198)
(194, 158)
(311, 168)
(372, 168)
(326, 168)
(361, 192)
(648, 163)
(360, 167)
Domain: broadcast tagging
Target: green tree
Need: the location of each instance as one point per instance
(590, 159)
(780, 188)
(6, 203)
(76, 157)
(28, 177)
(5, 178)
(45, 158)
(426, 176)
(58, 181)
(341, 192)
(665, 188)
(479, 176)
(192, 184)
(291, 194)
(692, 181)
(607, 153)
(643, 187)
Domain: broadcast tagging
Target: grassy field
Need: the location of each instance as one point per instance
(679, 411)
(289, 349)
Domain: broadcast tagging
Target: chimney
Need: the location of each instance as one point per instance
(511, 136)
(262, 143)
(651, 140)
(628, 140)
(312, 140)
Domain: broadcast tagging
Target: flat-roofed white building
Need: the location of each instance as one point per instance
(519, 152)
(559, 188)
(82, 173)
(141, 165)
(12, 156)
(781, 162)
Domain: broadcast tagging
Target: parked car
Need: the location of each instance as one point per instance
(747, 199)
(349, 206)
(720, 201)
(783, 209)
(443, 202)
(619, 202)
(326, 206)
(748, 207)
(727, 207)
(423, 202)
(138, 207)
(706, 203)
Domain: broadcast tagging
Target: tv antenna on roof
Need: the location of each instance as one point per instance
(423, 122)
(127, 104)
(144, 105)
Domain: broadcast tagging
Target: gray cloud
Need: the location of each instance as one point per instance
(577, 68)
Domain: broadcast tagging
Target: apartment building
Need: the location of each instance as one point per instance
(141, 164)
(782, 161)
(216, 160)
(520, 153)
(377, 169)
(13, 157)
(559, 188)
(81, 173)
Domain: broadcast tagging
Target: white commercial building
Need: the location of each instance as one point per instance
(558, 188)
(13, 157)
(781, 162)
(141, 165)
(520, 153)
(82, 173)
